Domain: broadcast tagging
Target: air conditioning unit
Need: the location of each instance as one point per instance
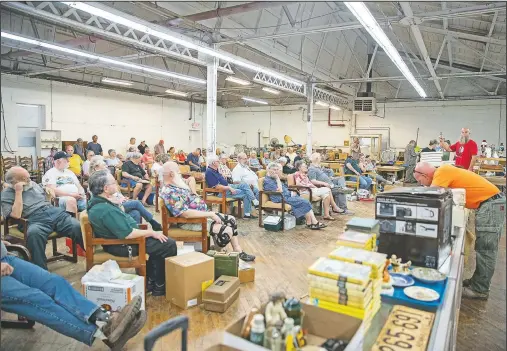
(365, 103)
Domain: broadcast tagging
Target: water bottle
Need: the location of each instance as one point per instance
(257, 330)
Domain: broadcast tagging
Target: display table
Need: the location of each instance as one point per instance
(444, 330)
(391, 170)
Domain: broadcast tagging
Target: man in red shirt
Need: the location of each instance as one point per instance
(466, 150)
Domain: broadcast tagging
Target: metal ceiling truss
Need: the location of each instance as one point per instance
(266, 79)
(80, 59)
(116, 32)
(330, 98)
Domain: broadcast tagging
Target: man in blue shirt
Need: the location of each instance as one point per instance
(352, 167)
(240, 191)
(193, 161)
(94, 146)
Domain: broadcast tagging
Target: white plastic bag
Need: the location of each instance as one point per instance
(105, 273)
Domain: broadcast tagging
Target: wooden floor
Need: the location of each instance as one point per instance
(281, 265)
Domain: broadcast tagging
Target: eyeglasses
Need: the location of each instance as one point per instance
(424, 175)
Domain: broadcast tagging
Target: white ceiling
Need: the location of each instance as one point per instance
(325, 57)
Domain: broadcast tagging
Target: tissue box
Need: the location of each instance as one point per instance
(116, 294)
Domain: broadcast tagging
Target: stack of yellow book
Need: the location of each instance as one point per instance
(375, 260)
(343, 287)
(358, 240)
(365, 225)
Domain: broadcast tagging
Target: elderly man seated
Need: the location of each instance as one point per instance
(50, 300)
(71, 195)
(236, 191)
(319, 175)
(133, 173)
(180, 202)
(134, 208)
(193, 160)
(25, 199)
(243, 174)
(110, 222)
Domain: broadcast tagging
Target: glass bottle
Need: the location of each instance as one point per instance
(257, 330)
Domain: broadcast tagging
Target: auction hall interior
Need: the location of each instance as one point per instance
(285, 175)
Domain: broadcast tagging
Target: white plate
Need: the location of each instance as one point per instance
(421, 294)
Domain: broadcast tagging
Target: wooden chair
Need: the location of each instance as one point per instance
(14, 235)
(232, 164)
(123, 189)
(335, 167)
(27, 163)
(7, 163)
(96, 255)
(350, 183)
(21, 323)
(157, 189)
(374, 182)
(210, 196)
(266, 204)
(179, 234)
(40, 168)
(261, 173)
(291, 183)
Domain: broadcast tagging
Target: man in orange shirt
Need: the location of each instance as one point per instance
(489, 205)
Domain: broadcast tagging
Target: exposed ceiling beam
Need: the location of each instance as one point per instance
(491, 27)
(226, 11)
(426, 77)
(383, 21)
(407, 10)
(289, 16)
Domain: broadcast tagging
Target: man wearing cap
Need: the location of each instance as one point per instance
(26, 199)
(68, 190)
(159, 148)
(465, 148)
(78, 148)
(489, 205)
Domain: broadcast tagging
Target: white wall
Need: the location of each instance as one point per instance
(114, 116)
(486, 118)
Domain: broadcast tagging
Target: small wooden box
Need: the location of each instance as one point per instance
(247, 275)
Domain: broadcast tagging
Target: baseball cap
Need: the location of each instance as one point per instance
(60, 154)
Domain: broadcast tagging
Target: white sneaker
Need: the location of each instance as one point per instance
(255, 202)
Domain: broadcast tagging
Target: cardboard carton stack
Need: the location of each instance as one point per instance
(221, 294)
(358, 240)
(344, 287)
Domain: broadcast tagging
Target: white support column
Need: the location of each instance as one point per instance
(211, 105)
(309, 119)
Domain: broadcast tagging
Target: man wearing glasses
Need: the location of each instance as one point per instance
(489, 205)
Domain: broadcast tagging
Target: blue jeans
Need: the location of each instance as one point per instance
(364, 182)
(48, 299)
(244, 193)
(136, 210)
(62, 203)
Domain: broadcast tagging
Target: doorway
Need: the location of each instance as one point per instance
(31, 119)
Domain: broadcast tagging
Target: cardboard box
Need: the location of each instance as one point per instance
(187, 276)
(221, 347)
(214, 306)
(246, 275)
(115, 295)
(226, 263)
(321, 325)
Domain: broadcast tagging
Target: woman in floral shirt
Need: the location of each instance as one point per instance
(324, 192)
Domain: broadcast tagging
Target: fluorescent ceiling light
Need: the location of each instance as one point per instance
(237, 80)
(322, 103)
(369, 23)
(262, 102)
(116, 81)
(27, 105)
(334, 107)
(272, 91)
(102, 59)
(177, 93)
(136, 25)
